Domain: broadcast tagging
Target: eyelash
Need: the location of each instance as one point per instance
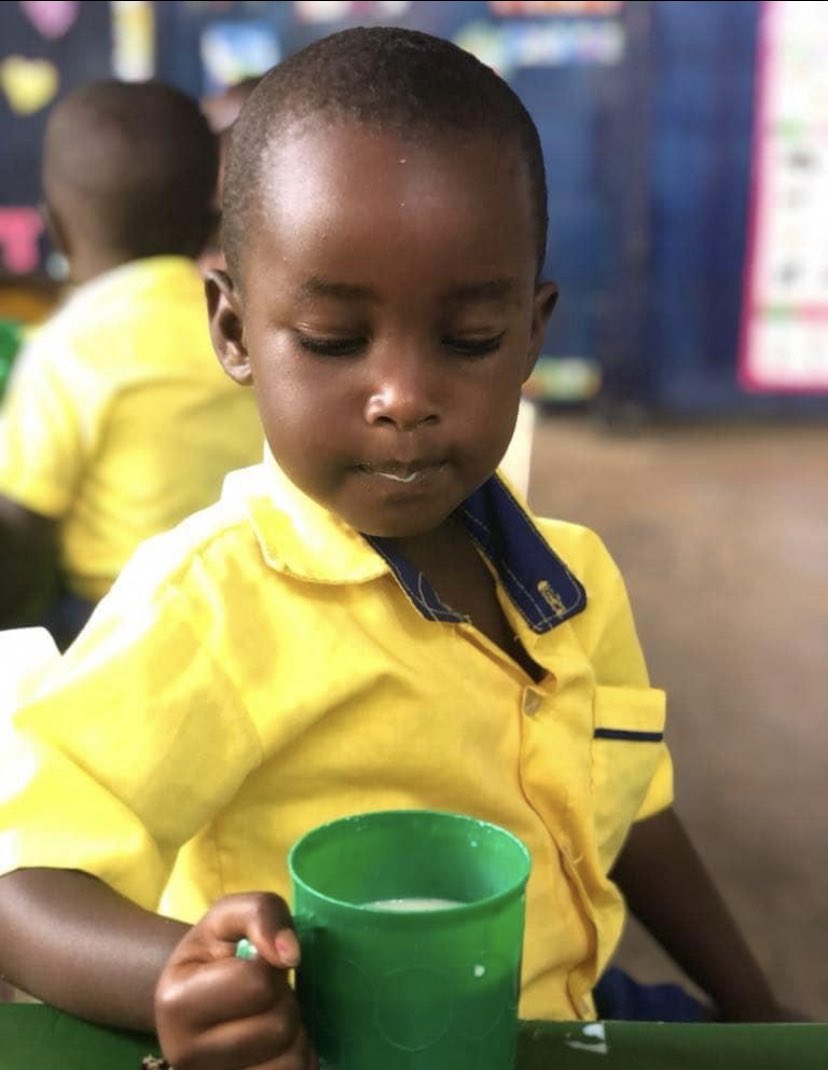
(475, 347)
(348, 347)
(331, 347)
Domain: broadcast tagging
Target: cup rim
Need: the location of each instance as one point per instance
(402, 917)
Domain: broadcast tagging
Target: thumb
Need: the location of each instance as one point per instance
(253, 924)
(272, 935)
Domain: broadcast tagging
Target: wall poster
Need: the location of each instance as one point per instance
(784, 343)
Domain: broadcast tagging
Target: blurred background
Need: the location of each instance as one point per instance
(682, 393)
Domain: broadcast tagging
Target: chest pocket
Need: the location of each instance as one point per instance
(627, 744)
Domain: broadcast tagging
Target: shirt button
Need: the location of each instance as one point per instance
(532, 702)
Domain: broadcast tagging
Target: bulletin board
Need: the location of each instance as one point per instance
(784, 338)
(47, 49)
(565, 58)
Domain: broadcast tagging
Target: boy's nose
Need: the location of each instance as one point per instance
(403, 403)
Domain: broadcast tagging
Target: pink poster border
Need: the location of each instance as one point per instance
(746, 373)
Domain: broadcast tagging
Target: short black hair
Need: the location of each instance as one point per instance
(384, 78)
(131, 167)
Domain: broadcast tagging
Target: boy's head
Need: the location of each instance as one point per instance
(385, 79)
(129, 171)
(385, 218)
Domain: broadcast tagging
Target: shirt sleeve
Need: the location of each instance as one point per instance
(46, 427)
(131, 745)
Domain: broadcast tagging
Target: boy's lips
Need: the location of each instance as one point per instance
(402, 472)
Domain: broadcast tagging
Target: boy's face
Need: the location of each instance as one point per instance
(387, 317)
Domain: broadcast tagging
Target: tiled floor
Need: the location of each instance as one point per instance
(722, 535)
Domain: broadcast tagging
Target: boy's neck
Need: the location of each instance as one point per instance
(86, 265)
(438, 550)
(449, 560)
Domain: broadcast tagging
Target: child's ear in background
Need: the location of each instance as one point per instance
(226, 326)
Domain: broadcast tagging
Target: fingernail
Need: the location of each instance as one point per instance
(288, 947)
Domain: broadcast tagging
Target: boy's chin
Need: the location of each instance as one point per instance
(407, 518)
(413, 521)
(400, 529)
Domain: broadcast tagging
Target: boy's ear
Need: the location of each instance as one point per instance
(546, 297)
(227, 326)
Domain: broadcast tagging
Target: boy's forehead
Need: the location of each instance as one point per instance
(333, 155)
(332, 133)
(341, 199)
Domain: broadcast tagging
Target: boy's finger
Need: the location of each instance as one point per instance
(285, 943)
(270, 931)
(225, 990)
(261, 917)
(258, 1041)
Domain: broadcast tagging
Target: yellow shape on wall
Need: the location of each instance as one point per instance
(29, 84)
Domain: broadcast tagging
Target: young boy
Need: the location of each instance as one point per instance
(369, 620)
(118, 422)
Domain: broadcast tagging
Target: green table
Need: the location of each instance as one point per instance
(35, 1037)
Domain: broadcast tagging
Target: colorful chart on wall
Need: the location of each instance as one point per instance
(47, 49)
(784, 344)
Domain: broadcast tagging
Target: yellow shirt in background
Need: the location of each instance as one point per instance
(118, 421)
(265, 668)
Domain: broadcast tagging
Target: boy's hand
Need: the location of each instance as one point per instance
(214, 1011)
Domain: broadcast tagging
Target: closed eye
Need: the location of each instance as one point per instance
(474, 347)
(332, 347)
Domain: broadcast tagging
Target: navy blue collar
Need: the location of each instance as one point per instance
(539, 584)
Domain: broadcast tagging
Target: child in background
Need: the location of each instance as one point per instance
(222, 109)
(371, 619)
(118, 422)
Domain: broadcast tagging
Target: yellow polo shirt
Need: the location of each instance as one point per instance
(264, 668)
(119, 421)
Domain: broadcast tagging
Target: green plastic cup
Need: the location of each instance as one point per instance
(411, 929)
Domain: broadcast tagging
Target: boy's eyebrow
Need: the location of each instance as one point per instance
(343, 291)
(488, 290)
